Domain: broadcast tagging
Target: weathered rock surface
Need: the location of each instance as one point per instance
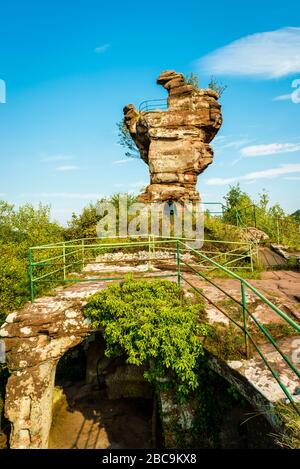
(175, 143)
(254, 234)
(37, 336)
(35, 339)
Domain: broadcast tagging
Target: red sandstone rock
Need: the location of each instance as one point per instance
(175, 143)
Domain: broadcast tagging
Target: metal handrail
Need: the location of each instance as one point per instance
(259, 221)
(153, 105)
(248, 314)
(179, 245)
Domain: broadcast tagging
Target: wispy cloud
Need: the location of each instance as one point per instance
(271, 54)
(283, 97)
(292, 178)
(265, 174)
(235, 143)
(132, 185)
(124, 161)
(58, 157)
(269, 149)
(67, 168)
(101, 49)
(63, 195)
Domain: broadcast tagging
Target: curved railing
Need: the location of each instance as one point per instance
(65, 256)
(154, 105)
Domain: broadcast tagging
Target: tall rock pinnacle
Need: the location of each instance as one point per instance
(175, 142)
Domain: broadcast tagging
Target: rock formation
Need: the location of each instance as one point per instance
(35, 339)
(175, 143)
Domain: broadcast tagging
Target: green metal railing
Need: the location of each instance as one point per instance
(153, 105)
(278, 228)
(78, 253)
(248, 315)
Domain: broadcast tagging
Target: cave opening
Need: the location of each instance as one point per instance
(102, 402)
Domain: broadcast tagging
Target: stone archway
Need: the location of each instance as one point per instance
(35, 338)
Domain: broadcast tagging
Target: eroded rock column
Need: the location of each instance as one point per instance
(175, 143)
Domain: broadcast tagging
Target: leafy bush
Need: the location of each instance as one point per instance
(216, 86)
(192, 79)
(19, 229)
(13, 281)
(84, 225)
(153, 326)
(216, 229)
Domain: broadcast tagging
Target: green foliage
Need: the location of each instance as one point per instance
(293, 262)
(226, 342)
(21, 228)
(13, 280)
(216, 229)
(236, 200)
(280, 227)
(153, 326)
(296, 216)
(84, 225)
(192, 79)
(290, 438)
(126, 141)
(216, 86)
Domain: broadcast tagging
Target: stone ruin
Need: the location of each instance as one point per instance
(175, 143)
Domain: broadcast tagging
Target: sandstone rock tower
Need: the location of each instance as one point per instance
(175, 142)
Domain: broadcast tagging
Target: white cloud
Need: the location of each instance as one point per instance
(124, 161)
(220, 138)
(283, 97)
(133, 185)
(67, 168)
(235, 143)
(101, 49)
(270, 149)
(64, 195)
(265, 174)
(292, 178)
(58, 157)
(271, 54)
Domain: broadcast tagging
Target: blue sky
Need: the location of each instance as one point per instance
(70, 67)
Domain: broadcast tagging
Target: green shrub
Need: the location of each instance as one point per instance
(19, 229)
(154, 326)
(13, 282)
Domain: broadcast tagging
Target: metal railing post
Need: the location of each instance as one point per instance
(277, 229)
(245, 319)
(178, 264)
(64, 260)
(254, 215)
(237, 217)
(82, 252)
(31, 276)
(251, 255)
(149, 251)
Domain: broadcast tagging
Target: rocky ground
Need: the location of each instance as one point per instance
(40, 333)
(88, 419)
